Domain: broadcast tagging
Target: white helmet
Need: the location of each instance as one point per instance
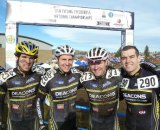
(66, 49)
(97, 53)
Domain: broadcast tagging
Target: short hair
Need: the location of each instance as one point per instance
(125, 48)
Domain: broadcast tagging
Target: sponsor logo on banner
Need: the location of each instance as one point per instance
(10, 39)
(119, 23)
(110, 14)
(103, 23)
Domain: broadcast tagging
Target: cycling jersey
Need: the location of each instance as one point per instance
(141, 95)
(103, 93)
(62, 88)
(20, 92)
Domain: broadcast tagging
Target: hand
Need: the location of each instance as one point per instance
(43, 127)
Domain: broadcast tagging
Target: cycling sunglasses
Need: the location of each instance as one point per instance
(94, 62)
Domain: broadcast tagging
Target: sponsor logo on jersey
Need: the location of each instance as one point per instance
(23, 93)
(142, 112)
(16, 82)
(72, 79)
(60, 106)
(106, 84)
(102, 96)
(93, 85)
(66, 92)
(15, 106)
(135, 96)
(30, 80)
(59, 82)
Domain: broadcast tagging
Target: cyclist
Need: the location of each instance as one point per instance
(20, 86)
(102, 85)
(140, 89)
(61, 84)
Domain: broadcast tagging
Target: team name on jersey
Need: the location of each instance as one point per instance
(23, 93)
(66, 92)
(134, 96)
(102, 96)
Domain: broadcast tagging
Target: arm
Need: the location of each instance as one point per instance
(40, 112)
(40, 109)
(1, 115)
(42, 92)
(2, 97)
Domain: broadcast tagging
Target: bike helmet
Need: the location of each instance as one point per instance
(66, 49)
(97, 53)
(27, 48)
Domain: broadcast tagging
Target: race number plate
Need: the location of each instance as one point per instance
(148, 82)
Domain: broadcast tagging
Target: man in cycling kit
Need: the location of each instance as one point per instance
(140, 89)
(20, 86)
(102, 86)
(61, 84)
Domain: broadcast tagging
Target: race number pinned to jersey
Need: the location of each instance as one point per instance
(125, 83)
(87, 76)
(148, 82)
(74, 70)
(4, 76)
(112, 73)
(47, 77)
(38, 69)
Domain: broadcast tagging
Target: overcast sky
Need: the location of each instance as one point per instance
(146, 31)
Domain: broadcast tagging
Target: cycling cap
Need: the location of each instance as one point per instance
(97, 53)
(27, 48)
(62, 50)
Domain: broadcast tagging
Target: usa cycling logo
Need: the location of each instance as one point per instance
(93, 85)
(59, 82)
(71, 79)
(30, 80)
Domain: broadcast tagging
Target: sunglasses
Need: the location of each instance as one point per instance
(94, 62)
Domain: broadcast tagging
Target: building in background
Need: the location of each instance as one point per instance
(45, 49)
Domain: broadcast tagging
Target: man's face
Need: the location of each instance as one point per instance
(130, 61)
(65, 62)
(25, 62)
(98, 67)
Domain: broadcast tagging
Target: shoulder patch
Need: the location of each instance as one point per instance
(87, 76)
(4, 76)
(112, 73)
(47, 77)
